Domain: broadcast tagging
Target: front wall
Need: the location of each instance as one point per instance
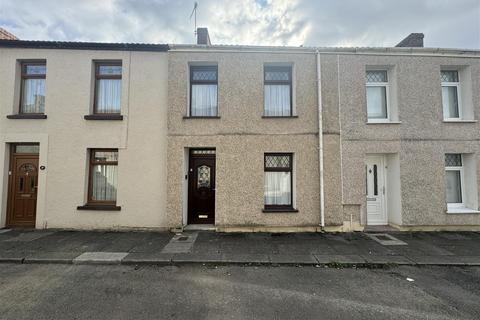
(241, 136)
(421, 140)
(140, 137)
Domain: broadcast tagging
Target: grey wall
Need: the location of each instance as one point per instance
(420, 140)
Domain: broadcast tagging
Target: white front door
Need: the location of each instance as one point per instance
(376, 214)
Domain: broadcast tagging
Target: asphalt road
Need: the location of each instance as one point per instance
(29, 291)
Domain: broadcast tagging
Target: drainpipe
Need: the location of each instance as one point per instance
(320, 139)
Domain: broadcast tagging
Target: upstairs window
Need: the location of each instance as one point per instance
(108, 87)
(278, 181)
(451, 95)
(278, 91)
(32, 99)
(103, 176)
(203, 91)
(377, 95)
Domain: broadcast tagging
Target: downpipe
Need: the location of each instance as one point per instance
(320, 140)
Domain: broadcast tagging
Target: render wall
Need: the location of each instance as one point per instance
(421, 139)
(65, 137)
(241, 137)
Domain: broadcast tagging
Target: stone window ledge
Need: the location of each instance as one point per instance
(461, 211)
(27, 116)
(99, 207)
(103, 117)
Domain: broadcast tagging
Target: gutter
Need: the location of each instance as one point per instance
(320, 139)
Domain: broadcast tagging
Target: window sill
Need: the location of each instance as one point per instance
(384, 122)
(27, 116)
(201, 117)
(461, 211)
(103, 117)
(97, 207)
(281, 117)
(460, 121)
(279, 210)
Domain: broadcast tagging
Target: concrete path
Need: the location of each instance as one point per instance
(340, 249)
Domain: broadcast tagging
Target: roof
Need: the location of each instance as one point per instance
(83, 45)
(4, 34)
(335, 50)
(33, 44)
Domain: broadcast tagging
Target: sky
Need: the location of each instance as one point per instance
(346, 23)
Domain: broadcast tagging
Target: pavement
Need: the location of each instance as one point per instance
(163, 248)
(194, 291)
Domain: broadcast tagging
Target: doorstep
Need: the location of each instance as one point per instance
(199, 227)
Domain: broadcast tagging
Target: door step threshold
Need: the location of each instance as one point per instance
(200, 227)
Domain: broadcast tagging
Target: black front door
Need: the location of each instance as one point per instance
(201, 188)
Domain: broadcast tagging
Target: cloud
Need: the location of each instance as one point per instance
(446, 23)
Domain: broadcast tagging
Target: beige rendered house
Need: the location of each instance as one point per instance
(83, 135)
(238, 138)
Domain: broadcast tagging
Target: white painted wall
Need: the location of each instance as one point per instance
(393, 192)
(65, 137)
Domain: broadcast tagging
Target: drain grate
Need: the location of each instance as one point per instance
(386, 239)
(182, 239)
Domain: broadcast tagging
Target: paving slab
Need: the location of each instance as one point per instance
(52, 257)
(100, 258)
(147, 258)
(29, 236)
(181, 243)
(153, 242)
(198, 258)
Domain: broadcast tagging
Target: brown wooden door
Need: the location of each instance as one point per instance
(201, 190)
(23, 190)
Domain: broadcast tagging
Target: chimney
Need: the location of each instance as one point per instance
(5, 35)
(203, 37)
(412, 40)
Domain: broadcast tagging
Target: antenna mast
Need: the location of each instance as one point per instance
(194, 13)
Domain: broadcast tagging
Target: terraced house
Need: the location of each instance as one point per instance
(238, 138)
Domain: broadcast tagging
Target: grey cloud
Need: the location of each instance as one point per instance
(446, 23)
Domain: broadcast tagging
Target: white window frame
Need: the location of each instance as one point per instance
(462, 185)
(459, 99)
(387, 96)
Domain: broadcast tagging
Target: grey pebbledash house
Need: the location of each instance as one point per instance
(238, 138)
